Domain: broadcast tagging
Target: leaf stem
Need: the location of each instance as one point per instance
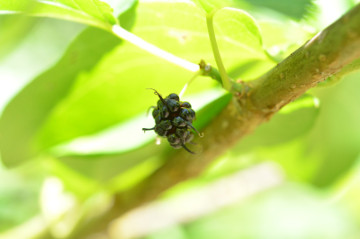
(139, 42)
(198, 73)
(215, 48)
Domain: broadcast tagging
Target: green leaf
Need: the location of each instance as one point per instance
(211, 110)
(19, 195)
(274, 214)
(236, 30)
(47, 40)
(26, 113)
(282, 36)
(13, 29)
(121, 6)
(240, 29)
(348, 69)
(28, 110)
(213, 5)
(330, 149)
(296, 9)
(114, 90)
(94, 12)
(85, 174)
(336, 139)
(292, 121)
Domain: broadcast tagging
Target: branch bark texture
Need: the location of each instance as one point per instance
(321, 57)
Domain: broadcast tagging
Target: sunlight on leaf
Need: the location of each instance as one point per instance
(13, 29)
(237, 32)
(95, 12)
(213, 5)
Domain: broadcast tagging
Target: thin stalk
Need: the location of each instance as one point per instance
(137, 41)
(188, 83)
(216, 52)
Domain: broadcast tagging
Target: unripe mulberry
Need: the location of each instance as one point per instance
(173, 120)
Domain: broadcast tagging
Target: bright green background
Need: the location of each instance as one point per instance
(73, 100)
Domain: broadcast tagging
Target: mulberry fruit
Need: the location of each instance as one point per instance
(173, 120)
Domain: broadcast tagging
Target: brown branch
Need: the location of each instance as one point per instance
(324, 55)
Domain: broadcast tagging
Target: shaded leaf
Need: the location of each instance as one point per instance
(296, 9)
(211, 110)
(331, 147)
(336, 139)
(292, 121)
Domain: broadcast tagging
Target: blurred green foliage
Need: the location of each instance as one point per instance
(93, 91)
(290, 211)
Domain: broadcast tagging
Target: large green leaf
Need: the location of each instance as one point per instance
(47, 40)
(27, 112)
(94, 12)
(115, 90)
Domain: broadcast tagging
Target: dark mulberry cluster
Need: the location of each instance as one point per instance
(173, 120)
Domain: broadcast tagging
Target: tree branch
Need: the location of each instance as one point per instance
(321, 57)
